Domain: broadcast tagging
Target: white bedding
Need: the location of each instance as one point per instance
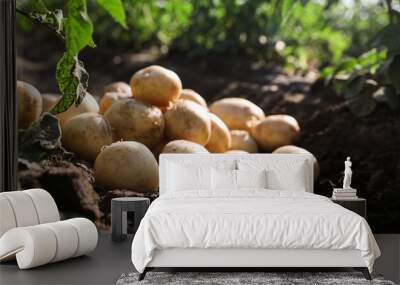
(252, 218)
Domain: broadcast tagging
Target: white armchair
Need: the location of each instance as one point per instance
(31, 230)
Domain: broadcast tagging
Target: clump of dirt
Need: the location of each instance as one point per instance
(70, 184)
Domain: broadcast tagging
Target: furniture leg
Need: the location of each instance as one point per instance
(143, 274)
(364, 271)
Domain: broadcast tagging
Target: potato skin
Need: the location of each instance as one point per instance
(237, 113)
(241, 140)
(127, 165)
(183, 146)
(188, 121)
(133, 120)
(291, 149)
(191, 95)
(29, 104)
(88, 105)
(275, 131)
(49, 101)
(86, 134)
(119, 87)
(156, 85)
(110, 98)
(220, 140)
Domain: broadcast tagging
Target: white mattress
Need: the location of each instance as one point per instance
(253, 219)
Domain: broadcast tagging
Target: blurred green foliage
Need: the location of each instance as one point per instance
(301, 33)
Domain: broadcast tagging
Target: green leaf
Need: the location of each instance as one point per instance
(72, 81)
(36, 6)
(389, 38)
(40, 140)
(78, 27)
(54, 20)
(354, 86)
(115, 9)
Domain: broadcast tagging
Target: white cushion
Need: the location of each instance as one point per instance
(45, 205)
(282, 174)
(224, 179)
(251, 178)
(181, 177)
(23, 208)
(7, 218)
(40, 244)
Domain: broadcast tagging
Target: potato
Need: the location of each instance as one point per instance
(220, 140)
(237, 113)
(191, 95)
(236, 151)
(275, 131)
(291, 149)
(183, 146)
(241, 140)
(29, 104)
(88, 105)
(188, 121)
(86, 134)
(133, 120)
(127, 165)
(119, 87)
(156, 85)
(49, 101)
(110, 98)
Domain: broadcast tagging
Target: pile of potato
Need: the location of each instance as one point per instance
(133, 123)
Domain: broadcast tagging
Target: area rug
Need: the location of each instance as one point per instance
(243, 278)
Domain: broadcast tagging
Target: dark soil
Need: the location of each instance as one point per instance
(329, 130)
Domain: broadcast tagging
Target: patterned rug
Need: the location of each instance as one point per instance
(243, 278)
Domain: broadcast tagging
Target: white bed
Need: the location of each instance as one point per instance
(203, 219)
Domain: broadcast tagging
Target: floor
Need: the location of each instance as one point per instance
(110, 260)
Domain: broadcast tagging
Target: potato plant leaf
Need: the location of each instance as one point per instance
(78, 27)
(72, 81)
(40, 140)
(115, 9)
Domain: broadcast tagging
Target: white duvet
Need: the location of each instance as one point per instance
(250, 219)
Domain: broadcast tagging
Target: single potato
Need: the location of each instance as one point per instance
(29, 104)
(191, 95)
(88, 105)
(275, 131)
(291, 149)
(156, 85)
(187, 121)
(133, 120)
(127, 165)
(220, 140)
(49, 101)
(119, 87)
(86, 134)
(237, 113)
(110, 98)
(241, 140)
(183, 146)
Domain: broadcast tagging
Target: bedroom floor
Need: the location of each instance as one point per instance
(110, 260)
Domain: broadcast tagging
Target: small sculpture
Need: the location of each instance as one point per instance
(347, 174)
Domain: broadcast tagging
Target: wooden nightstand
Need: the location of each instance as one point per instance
(358, 205)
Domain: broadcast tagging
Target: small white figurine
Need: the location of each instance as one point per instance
(347, 174)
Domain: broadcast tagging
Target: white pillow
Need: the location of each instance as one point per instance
(295, 180)
(183, 177)
(251, 178)
(223, 179)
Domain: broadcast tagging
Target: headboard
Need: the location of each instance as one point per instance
(275, 161)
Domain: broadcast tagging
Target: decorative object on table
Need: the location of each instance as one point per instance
(346, 193)
(119, 209)
(248, 278)
(357, 205)
(31, 230)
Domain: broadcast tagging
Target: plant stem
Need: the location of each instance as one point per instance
(390, 10)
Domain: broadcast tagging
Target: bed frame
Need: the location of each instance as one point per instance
(242, 259)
